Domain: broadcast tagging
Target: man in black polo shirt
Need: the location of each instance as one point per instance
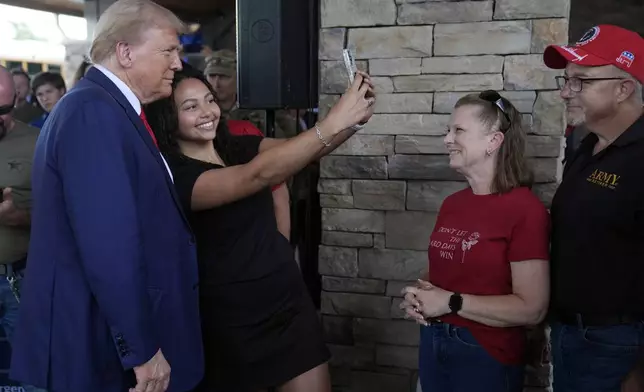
(598, 214)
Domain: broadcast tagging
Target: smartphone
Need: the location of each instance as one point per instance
(350, 64)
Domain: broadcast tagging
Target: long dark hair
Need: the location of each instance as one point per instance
(163, 117)
(81, 71)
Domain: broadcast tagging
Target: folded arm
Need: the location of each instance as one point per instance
(527, 305)
(12, 216)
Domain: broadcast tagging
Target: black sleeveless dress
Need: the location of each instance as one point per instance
(260, 327)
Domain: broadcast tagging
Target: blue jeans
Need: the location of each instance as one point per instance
(594, 359)
(451, 360)
(9, 315)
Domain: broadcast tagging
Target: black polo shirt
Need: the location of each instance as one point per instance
(597, 254)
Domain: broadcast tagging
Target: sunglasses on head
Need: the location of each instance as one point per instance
(6, 109)
(496, 99)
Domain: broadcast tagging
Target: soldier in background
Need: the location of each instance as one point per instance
(221, 72)
(27, 108)
(17, 143)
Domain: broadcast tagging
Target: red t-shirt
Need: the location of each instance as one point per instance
(475, 239)
(243, 127)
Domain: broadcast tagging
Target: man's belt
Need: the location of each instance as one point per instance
(16, 266)
(597, 320)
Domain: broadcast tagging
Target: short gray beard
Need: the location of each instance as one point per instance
(576, 121)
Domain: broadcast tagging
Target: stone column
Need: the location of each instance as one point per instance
(75, 52)
(381, 191)
(93, 10)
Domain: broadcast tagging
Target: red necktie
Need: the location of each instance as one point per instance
(147, 126)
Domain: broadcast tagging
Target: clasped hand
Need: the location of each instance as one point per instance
(10, 215)
(425, 301)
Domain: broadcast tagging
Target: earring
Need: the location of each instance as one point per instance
(488, 152)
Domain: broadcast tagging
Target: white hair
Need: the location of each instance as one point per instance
(125, 21)
(638, 85)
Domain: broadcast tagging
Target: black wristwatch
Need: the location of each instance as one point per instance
(455, 303)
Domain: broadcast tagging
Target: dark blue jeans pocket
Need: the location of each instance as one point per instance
(465, 337)
(452, 360)
(620, 339)
(594, 359)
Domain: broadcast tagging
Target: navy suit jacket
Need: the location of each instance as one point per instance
(112, 272)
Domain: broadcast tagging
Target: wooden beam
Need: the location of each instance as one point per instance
(197, 6)
(192, 8)
(67, 7)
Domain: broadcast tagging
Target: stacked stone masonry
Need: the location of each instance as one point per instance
(381, 191)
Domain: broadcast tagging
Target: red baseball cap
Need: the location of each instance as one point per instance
(601, 45)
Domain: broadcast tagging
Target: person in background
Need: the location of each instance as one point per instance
(49, 88)
(597, 244)
(27, 108)
(221, 71)
(81, 71)
(17, 143)
(110, 303)
(281, 197)
(488, 258)
(260, 327)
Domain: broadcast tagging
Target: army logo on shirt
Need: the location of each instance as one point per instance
(604, 179)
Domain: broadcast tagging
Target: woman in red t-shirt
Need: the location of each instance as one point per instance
(488, 257)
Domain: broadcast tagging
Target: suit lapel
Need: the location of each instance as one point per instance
(99, 78)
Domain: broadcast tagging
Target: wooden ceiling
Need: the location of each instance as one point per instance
(196, 7)
(71, 7)
(186, 8)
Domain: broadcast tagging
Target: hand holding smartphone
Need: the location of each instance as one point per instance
(352, 69)
(349, 64)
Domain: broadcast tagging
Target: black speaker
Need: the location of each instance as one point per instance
(277, 60)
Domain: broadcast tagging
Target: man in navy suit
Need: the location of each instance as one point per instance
(110, 301)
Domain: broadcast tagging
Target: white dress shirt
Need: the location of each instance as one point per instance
(131, 98)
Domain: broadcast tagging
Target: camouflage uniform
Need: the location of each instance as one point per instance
(224, 62)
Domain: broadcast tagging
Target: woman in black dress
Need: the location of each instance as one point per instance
(260, 327)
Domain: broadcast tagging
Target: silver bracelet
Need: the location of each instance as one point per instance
(317, 132)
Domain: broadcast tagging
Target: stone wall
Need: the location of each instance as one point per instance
(380, 192)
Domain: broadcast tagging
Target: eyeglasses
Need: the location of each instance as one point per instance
(6, 109)
(576, 84)
(497, 100)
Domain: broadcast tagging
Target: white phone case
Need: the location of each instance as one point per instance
(350, 64)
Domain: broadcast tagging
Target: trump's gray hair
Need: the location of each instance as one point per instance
(126, 21)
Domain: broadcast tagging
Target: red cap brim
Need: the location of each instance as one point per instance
(558, 56)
